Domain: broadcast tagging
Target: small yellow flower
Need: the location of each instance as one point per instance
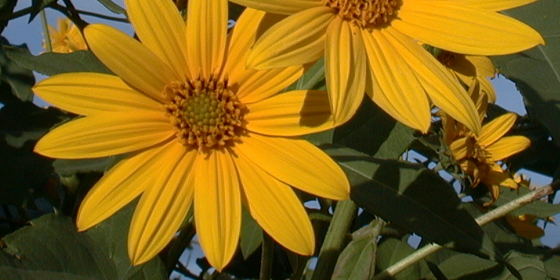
(478, 155)
(372, 45)
(200, 129)
(67, 38)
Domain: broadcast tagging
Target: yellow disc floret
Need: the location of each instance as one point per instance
(364, 13)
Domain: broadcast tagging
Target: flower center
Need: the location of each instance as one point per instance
(204, 112)
(364, 13)
(478, 152)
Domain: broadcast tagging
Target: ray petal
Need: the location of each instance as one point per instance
(459, 28)
(92, 93)
(124, 182)
(276, 208)
(206, 35)
(345, 65)
(497, 128)
(217, 206)
(163, 206)
(297, 163)
(296, 40)
(459, 148)
(106, 135)
(129, 59)
(508, 146)
(495, 5)
(290, 114)
(285, 7)
(161, 28)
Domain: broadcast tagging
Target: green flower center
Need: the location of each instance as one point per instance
(204, 112)
(365, 13)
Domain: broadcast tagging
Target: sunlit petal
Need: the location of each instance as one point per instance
(497, 128)
(459, 148)
(296, 40)
(92, 93)
(345, 64)
(459, 28)
(163, 206)
(129, 59)
(291, 113)
(276, 208)
(160, 27)
(508, 146)
(285, 7)
(106, 135)
(495, 5)
(217, 206)
(124, 182)
(311, 170)
(206, 36)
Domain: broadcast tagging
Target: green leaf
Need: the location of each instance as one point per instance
(251, 235)
(392, 250)
(528, 266)
(19, 78)
(6, 9)
(357, 260)
(536, 72)
(67, 167)
(455, 265)
(23, 274)
(111, 6)
(38, 6)
(414, 198)
(57, 63)
(552, 265)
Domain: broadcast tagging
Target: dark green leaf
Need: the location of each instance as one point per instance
(455, 265)
(38, 6)
(392, 250)
(536, 71)
(20, 79)
(528, 266)
(6, 9)
(357, 260)
(111, 6)
(251, 235)
(413, 198)
(552, 265)
(67, 167)
(314, 78)
(57, 63)
(25, 274)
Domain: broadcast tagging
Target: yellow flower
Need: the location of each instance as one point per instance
(200, 129)
(67, 38)
(478, 156)
(372, 45)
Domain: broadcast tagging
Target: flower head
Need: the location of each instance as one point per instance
(67, 38)
(200, 129)
(372, 45)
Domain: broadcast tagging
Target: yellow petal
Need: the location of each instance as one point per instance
(161, 28)
(129, 59)
(163, 206)
(276, 208)
(285, 7)
(525, 228)
(459, 28)
(483, 64)
(488, 89)
(297, 163)
(206, 36)
(459, 148)
(508, 146)
(291, 113)
(105, 135)
(495, 5)
(217, 206)
(497, 128)
(345, 64)
(92, 93)
(296, 40)
(123, 183)
(497, 177)
(394, 86)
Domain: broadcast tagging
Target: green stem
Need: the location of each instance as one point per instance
(266, 257)
(497, 213)
(335, 239)
(45, 24)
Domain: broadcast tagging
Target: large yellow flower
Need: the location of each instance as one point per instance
(372, 45)
(478, 155)
(67, 38)
(199, 127)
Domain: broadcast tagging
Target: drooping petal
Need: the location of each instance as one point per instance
(296, 40)
(129, 59)
(488, 89)
(160, 27)
(394, 86)
(206, 36)
(483, 64)
(92, 93)
(217, 206)
(496, 5)
(106, 135)
(285, 7)
(297, 163)
(497, 128)
(459, 28)
(124, 182)
(496, 176)
(290, 114)
(345, 64)
(276, 208)
(163, 206)
(459, 148)
(508, 146)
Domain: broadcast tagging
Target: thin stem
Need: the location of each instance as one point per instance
(17, 14)
(45, 24)
(497, 213)
(266, 257)
(101, 16)
(335, 239)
